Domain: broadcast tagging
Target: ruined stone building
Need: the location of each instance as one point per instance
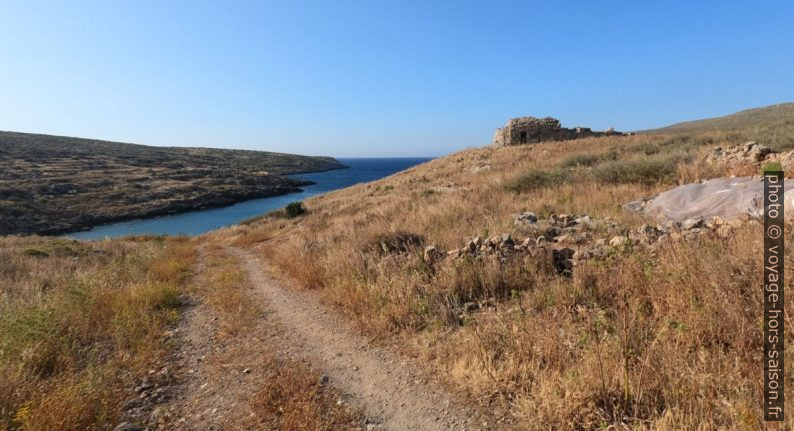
(529, 130)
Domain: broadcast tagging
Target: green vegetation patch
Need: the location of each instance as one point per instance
(536, 179)
(294, 209)
(645, 170)
(79, 319)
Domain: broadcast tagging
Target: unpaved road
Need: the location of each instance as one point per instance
(390, 389)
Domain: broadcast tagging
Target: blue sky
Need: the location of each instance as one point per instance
(380, 78)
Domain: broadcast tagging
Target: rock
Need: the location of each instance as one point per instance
(526, 217)
(582, 254)
(553, 232)
(563, 253)
(619, 241)
(747, 153)
(433, 255)
(583, 220)
(647, 234)
(564, 266)
(324, 379)
(471, 247)
(692, 223)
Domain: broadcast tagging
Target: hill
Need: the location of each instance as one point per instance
(53, 184)
(515, 274)
(494, 288)
(750, 118)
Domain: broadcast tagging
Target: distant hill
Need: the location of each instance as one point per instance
(54, 184)
(765, 116)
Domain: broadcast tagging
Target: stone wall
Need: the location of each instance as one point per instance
(529, 130)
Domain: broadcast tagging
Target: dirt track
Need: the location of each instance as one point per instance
(215, 378)
(394, 395)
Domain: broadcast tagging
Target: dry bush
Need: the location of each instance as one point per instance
(78, 321)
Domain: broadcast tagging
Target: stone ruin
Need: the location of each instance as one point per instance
(567, 240)
(529, 130)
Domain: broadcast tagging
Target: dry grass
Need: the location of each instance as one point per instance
(658, 341)
(289, 396)
(78, 321)
(293, 397)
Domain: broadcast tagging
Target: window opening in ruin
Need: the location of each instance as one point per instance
(523, 137)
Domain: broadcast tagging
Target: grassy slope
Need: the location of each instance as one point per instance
(742, 119)
(51, 184)
(668, 339)
(80, 322)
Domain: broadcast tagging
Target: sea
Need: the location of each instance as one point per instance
(359, 170)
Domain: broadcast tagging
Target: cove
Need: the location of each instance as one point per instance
(197, 222)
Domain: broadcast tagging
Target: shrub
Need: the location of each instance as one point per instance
(771, 167)
(646, 170)
(295, 209)
(536, 179)
(394, 242)
(579, 160)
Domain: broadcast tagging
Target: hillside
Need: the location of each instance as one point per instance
(750, 118)
(588, 317)
(492, 289)
(53, 184)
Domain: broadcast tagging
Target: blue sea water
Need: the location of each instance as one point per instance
(197, 222)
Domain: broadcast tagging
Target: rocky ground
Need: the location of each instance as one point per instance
(566, 240)
(51, 184)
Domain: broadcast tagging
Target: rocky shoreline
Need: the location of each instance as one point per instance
(53, 185)
(200, 203)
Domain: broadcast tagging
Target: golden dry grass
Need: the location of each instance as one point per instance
(78, 322)
(290, 395)
(664, 340)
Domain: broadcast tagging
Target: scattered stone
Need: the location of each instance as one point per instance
(692, 223)
(433, 254)
(619, 241)
(525, 217)
(563, 260)
(143, 387)
(749, 152)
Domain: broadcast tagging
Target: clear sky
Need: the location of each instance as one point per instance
(381, 78)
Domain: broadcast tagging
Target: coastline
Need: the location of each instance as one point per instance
(185, 207)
